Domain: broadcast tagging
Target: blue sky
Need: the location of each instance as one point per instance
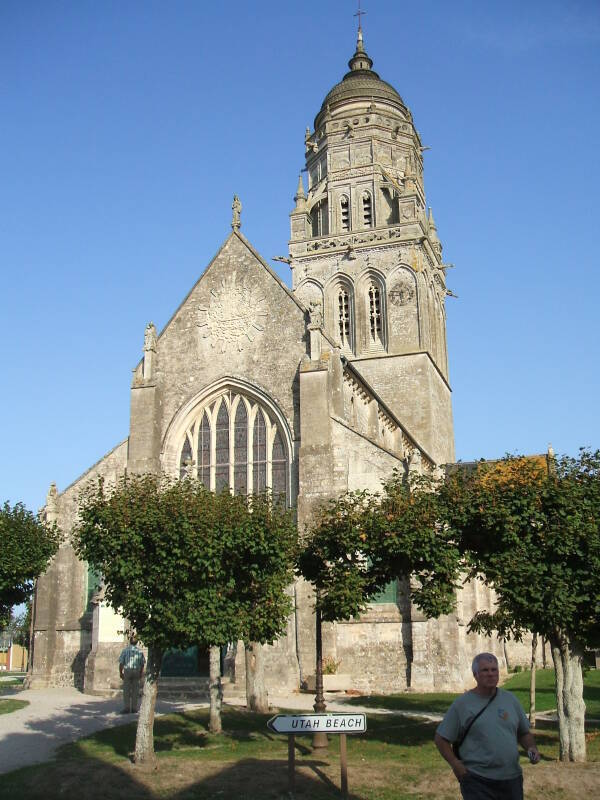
(127, 127)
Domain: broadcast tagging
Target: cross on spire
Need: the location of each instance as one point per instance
(359, 14)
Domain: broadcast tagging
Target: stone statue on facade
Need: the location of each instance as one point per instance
(150, 338)
(315, 314)
(236, 207)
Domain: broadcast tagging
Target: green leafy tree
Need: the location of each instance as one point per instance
(531, 529)
(186, 566)
(26, 546)
(264, 574)
(362, 541)
(19, 627)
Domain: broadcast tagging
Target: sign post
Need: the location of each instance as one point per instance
(309, 724)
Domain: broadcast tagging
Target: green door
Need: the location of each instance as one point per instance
(189, 663)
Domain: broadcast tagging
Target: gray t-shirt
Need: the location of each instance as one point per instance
(491, 748)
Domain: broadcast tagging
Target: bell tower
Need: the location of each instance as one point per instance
(364, 247)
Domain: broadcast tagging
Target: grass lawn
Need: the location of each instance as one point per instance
(6, 705)
(544, 690)
(517, 683)
(8, 682)
(394, 760)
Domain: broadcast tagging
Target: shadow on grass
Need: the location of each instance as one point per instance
(245, 779)
(434, 703)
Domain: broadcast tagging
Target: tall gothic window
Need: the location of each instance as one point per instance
(320, 219)
(375, 320)
(259, 448)
(345, 213)
(367, 209)
(235, 443)
(344, 316)
(222, 449)
(240, 450)
(204, 450)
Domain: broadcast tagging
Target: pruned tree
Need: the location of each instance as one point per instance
(264, 573)
(530, 528)
(362, 541)
(27, 544)
(177, 562)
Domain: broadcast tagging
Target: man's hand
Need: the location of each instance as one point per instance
(527, 742)
(445, 748)
(459, 769)
(534, 754)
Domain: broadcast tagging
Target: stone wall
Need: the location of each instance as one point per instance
(62, 622)
(418, 395)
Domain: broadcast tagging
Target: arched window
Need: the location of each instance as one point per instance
(186, 461)
(259, 447)
(204, 451)
(235, 443)
(375, 316)
(344, 317)
(278, 465)
(320, 219)
(367, 209)
(222, 449)
(240, 450)
(344, 213)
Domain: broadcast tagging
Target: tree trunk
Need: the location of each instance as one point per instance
(216, 690)
(544, 662)
(570, 708)
(534, 641)
(508, 665)
(256, 692)
(144, 737)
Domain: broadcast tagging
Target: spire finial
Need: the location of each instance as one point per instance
(360, 59)
(300, 194)
(359, 40)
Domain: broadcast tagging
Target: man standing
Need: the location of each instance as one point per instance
(484, 725)
(131, 670)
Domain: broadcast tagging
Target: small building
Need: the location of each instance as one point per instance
(13, 657)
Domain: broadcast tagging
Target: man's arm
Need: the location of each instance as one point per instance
(527, 742)
(445, 748)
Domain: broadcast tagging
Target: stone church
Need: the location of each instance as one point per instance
(312, 390)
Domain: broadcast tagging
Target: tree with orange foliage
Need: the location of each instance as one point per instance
(530, 528)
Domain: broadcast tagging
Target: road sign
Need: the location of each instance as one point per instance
(326, 723)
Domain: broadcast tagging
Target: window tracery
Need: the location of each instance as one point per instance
(367, 209)
(235, 443)
(344, 213)
(344, 317)
(320, 219)
(375, 316)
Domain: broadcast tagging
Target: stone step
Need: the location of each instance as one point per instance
(197, 689)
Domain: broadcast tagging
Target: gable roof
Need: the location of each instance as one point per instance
(235, 234)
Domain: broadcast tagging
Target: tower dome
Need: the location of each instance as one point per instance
(360, 83)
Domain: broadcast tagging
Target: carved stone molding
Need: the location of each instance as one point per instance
(235, 315)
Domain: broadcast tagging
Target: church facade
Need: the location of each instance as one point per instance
(312, 390)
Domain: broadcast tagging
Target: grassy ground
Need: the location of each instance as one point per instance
(517, 683)
(544, 690)
(8, 682)
(8, 705)
(394, 760)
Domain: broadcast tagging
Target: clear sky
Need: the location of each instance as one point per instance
(127, 127)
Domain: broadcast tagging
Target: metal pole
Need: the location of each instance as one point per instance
(343, 765)
(320, 740)
(291, 764)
